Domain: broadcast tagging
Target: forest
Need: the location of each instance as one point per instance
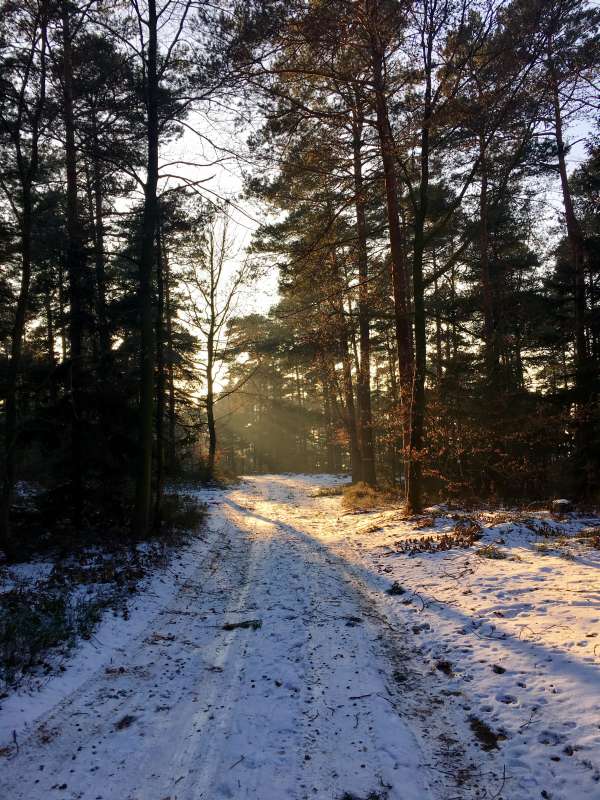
(259, 238)
(427, 177)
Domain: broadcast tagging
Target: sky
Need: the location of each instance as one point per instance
(214, 163)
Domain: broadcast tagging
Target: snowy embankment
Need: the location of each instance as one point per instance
(510, 626)
(299, 651)
(65, 668)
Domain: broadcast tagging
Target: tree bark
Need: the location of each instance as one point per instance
(347, 382)
(160, 378)
(210, 406)
(403, 328)
(171, 456)
(17, 336)
(363, 388)
(75, 258)
(210, 384)
(417, 432)
(143, 498)
(99, 256)
(489, 315)
(583, 373)
(576, 244)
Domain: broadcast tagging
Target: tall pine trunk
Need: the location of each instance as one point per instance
(160, 376)
(363, 387)
(143, 495)
(75, 260)
(210, 405)
(583, 372)
(403, 328)
(170, 356)
(99, 255)
(577, 247)
(417, 432)
(347, 382)
(14, 369)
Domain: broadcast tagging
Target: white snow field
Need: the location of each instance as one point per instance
(334, 689)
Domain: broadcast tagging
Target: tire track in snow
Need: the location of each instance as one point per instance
(297, 709)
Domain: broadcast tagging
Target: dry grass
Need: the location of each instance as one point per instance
(329, 491)
(361, 496)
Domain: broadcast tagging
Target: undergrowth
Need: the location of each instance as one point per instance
(329, 491)
(36, 620)
(361, 496)
(462, 536)
(490, 551)
(46, 608)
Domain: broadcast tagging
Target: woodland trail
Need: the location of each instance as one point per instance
(300, 704)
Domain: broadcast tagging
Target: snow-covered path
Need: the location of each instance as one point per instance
(308, 705)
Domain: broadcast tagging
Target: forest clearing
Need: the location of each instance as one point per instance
(300, 652)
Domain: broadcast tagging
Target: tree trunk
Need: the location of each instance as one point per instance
(576, 244)
(583, 373)
(17, 336)
(489, 316)
(99, 257)
(417, 433)
(347, 383)
(438, 328)
(363, 388)
(330, 428)
(210, 407)
(75, 258)
(50, 343)
(143, 499)
(406, 362)
(171, 456)
(160, 379)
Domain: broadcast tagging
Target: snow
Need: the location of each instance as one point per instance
(520, 633)
(38, 695)
(344, 689)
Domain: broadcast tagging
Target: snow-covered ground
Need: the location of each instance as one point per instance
(335, 688)
(513, 637)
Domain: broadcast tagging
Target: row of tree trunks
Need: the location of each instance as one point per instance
(27, 173)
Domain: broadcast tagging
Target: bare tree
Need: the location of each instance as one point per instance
(214, 283)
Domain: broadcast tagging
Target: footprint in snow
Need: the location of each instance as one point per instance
(506, 698)
(550, 738)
